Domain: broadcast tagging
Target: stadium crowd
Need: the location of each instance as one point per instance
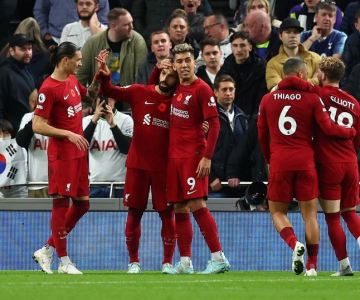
(127, 65)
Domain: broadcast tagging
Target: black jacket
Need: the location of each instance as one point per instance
(15, 89)
(348, 21)
(226, 141)
(353, 82)
(249, 79)
(351, 55)
(274, 44)
(201, 73)
(145, 69)
(246, 161)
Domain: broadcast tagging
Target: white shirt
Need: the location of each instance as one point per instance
(76, 33)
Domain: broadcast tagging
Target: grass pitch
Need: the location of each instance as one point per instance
(118, 285)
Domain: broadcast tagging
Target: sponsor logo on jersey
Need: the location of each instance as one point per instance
(42, 98)
(180, 113)
(127, 197)
(187, 99)
(281, 96)
(148, 103)
(68, 187)
(212, 101)
(190, 192)
(67, 96)
(147, 119)
(70, 111)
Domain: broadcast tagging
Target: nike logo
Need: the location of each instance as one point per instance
(62, 237)
(192, 192)
(65, 98)
(149, 102)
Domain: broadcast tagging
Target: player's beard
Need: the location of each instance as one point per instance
(165, 88)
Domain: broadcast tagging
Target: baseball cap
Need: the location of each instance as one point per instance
(19, 40)
(290, 23)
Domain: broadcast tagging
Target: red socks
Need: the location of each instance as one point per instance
(208, 228)
(336, 234)
(288, 235)
(133, 233)
(168, 234)
(59, 210)
(312, 251)
(352, 220)
(184, 233)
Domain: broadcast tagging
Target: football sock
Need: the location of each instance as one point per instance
(336, 234)
(352, 220)
(208, 228)
(288, 235)
(48, 249)
(73, 215)
(344, 263)
(312, 250)
(64, 260)
(184, 233)
(186, 261)
(59, 210)
(168, 234)
(133, 233)
(218, 256)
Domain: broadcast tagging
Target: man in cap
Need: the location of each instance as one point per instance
(16, 81)
(289, 34)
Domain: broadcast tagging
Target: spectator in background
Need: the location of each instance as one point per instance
(109, 134)
(351, 54)
(40, 61)
(323, 38)
(247, 68)
(160, 49)
(52, 16)
(16, 81)
(349, 18)
(233, 125)
(36, 146)
(263, 5)
(305, 13)
(289, 33)
(127, 4)
(195, 19)
(7, 8)
(79, 32)
(282, 8)
(217, 27)
(127, 50)
(178, 30)
(353, 82)
(265, 36)
(211, 55)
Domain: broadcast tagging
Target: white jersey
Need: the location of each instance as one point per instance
(106, 162)
(76, 33)
(37, 155)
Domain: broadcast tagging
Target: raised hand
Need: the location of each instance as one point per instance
(101, 62)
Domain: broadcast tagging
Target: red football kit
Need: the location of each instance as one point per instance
(336, 158)
(148, 153)
(60, 103)
(191, 105)
(290, 118)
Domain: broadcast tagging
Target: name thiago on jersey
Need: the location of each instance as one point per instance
(281, 96)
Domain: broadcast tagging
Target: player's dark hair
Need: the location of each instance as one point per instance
(223, 78)
(242, 35)
(65, 49)
(333, 68)
(5, 126)
(208, 42)
(293, 65)
(95, 1)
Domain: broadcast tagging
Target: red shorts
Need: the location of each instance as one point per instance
(339, 181)
(69, 177)
(284, 186)
(137, 185)
(182, 182)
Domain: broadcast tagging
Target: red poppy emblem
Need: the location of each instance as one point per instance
(162, 107)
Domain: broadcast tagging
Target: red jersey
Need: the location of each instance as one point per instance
(60, 103)
(290, 117)
(190, 106)
(344, 110)
(151, 114)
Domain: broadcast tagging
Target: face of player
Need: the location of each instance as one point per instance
(241, 49)
(168, 80)
(258, 5)
(178, 30)
(190, 6)
(213, 28)
(124, 27)
(22, 54)
(72, 64)
(161, 45)
(225, 95)
(211, 56)
(311, 4)
(303, 73)
(184, 65)
(320, 77)
(325, 19)
(290, 38)
(86, 8)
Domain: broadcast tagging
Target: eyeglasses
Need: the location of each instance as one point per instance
(328, 2)
(209, 26)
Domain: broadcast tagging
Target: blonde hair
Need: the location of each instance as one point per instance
(265, 2)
